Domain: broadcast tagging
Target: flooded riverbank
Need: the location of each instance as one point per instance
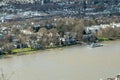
(73, 63)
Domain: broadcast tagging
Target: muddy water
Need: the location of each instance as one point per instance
(73, 63)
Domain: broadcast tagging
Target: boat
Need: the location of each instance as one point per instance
(93, 45)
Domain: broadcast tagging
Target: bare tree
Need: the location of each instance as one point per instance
(7, 48)
(4, 76)
(78, 28)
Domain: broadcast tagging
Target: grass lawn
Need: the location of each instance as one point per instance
(103, 39)
(22, 50)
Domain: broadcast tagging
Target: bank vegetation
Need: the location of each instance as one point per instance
(32, 35)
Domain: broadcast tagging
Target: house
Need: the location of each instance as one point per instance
(1, 37)
(36, 46)
(27, 32)
(1, 51)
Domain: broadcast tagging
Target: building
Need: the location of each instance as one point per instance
(26, 1)
(118, 77)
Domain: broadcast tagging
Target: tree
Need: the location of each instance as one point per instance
(7, 48)
(78, 28)
(42, 31)
(109, 32)
(55, 37)
(43, 40)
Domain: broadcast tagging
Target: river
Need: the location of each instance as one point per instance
(72, 63)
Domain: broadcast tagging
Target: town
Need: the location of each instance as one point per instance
(41, 24)
(64, 8)
(59, 39)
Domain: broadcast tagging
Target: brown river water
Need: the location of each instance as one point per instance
(72, 63)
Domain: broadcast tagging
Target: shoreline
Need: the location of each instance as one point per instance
(36, 51)
(52, 48)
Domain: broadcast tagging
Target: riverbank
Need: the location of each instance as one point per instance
(27, 51)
